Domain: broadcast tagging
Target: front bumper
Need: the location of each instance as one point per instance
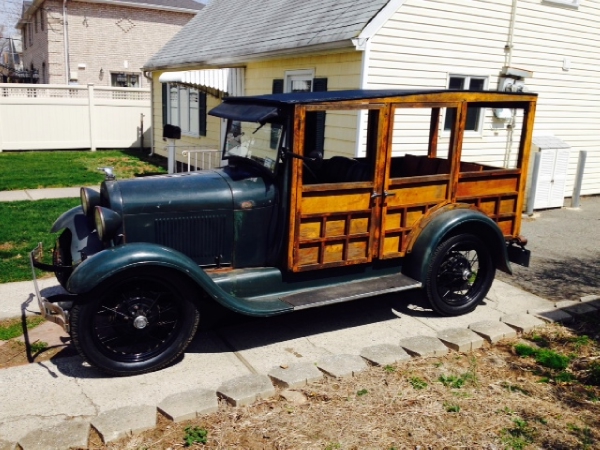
(50, 307)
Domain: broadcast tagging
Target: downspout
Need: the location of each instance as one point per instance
(508, 48)
(148, 76)
(66, 41)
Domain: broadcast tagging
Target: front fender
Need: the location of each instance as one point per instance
(102, 266)
(451, 222)
(84, 239)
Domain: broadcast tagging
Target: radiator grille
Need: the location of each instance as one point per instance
(200, 237)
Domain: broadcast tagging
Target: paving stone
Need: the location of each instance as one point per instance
(5, 445)
(523, 323)
(552, 315)
(592, 300)
(460, 339)
(493, 331)
(121, 422)
(578, 309)
(384, 354)
(296, 375)
(340, 366)
(189, 405)
(246, 389)
(69, 434)
(424, 346)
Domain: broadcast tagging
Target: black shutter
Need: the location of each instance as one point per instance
(165, 105)
(277, 89)
(202, 112)
(314, 127)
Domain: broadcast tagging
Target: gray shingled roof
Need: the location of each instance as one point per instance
(235, 31)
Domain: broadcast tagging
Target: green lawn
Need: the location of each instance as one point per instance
(33, 170)
(22, 226)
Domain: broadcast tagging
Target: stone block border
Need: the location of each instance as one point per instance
(240, 391)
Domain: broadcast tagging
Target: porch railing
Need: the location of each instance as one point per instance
(192, 158)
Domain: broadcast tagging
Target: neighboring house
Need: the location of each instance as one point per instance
(236, 47)
(104, 42)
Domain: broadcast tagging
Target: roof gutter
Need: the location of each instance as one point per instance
(143, 6)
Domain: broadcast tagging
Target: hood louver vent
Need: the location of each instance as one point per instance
(201, 237)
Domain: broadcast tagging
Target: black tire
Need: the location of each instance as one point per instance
(460, 275)
(136, 322)
(61, 256)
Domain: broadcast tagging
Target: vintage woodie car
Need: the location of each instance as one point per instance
(295, 219)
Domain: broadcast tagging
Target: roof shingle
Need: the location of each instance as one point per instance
(234, 31)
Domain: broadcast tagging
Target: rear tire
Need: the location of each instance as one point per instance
(136, 322)
(460, 275)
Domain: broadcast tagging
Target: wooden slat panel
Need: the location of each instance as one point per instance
(432, 193)
(335, 202)
(484, 187)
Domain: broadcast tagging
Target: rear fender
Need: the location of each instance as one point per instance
(104, 265)
(84, 240)
(451, 221)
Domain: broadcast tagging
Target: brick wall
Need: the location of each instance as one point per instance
(103, 40)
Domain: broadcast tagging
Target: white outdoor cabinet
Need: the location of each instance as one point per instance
(552, 172)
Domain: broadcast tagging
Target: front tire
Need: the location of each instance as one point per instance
(136, 322)
(460, 275)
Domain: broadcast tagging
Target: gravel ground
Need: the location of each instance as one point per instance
(565, 247)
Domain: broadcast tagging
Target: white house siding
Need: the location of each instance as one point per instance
(426, 41)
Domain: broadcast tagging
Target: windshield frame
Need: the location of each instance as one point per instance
(265, 157)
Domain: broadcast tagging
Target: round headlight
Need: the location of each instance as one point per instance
(107, 222)
(89, 200)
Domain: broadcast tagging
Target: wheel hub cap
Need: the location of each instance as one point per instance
(466, 275)
(140, 322)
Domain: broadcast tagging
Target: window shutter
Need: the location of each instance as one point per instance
(165, 105)
(277, 89)
(202, 113)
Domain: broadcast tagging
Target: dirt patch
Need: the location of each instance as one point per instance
(490, 399)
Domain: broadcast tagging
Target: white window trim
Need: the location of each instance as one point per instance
(184, 131)
(298, 75)
(468, 133)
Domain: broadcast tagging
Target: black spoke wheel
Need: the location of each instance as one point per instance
(460, 275)
(136, 322)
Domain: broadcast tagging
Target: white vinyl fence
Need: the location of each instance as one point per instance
(54, 117)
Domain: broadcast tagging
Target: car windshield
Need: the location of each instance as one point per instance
(253, 141)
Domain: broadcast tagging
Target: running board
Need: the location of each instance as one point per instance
(350, 291)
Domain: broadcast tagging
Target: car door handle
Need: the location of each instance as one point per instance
(385, 194)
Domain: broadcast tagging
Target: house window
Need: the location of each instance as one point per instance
(121, 79)
(186, 108)
(299, 81)
(474, 116)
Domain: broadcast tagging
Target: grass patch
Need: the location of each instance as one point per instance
(22, 226)
(72, 168)
(195, 435)
(13, 328)
(417, 383)
(543, 356)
